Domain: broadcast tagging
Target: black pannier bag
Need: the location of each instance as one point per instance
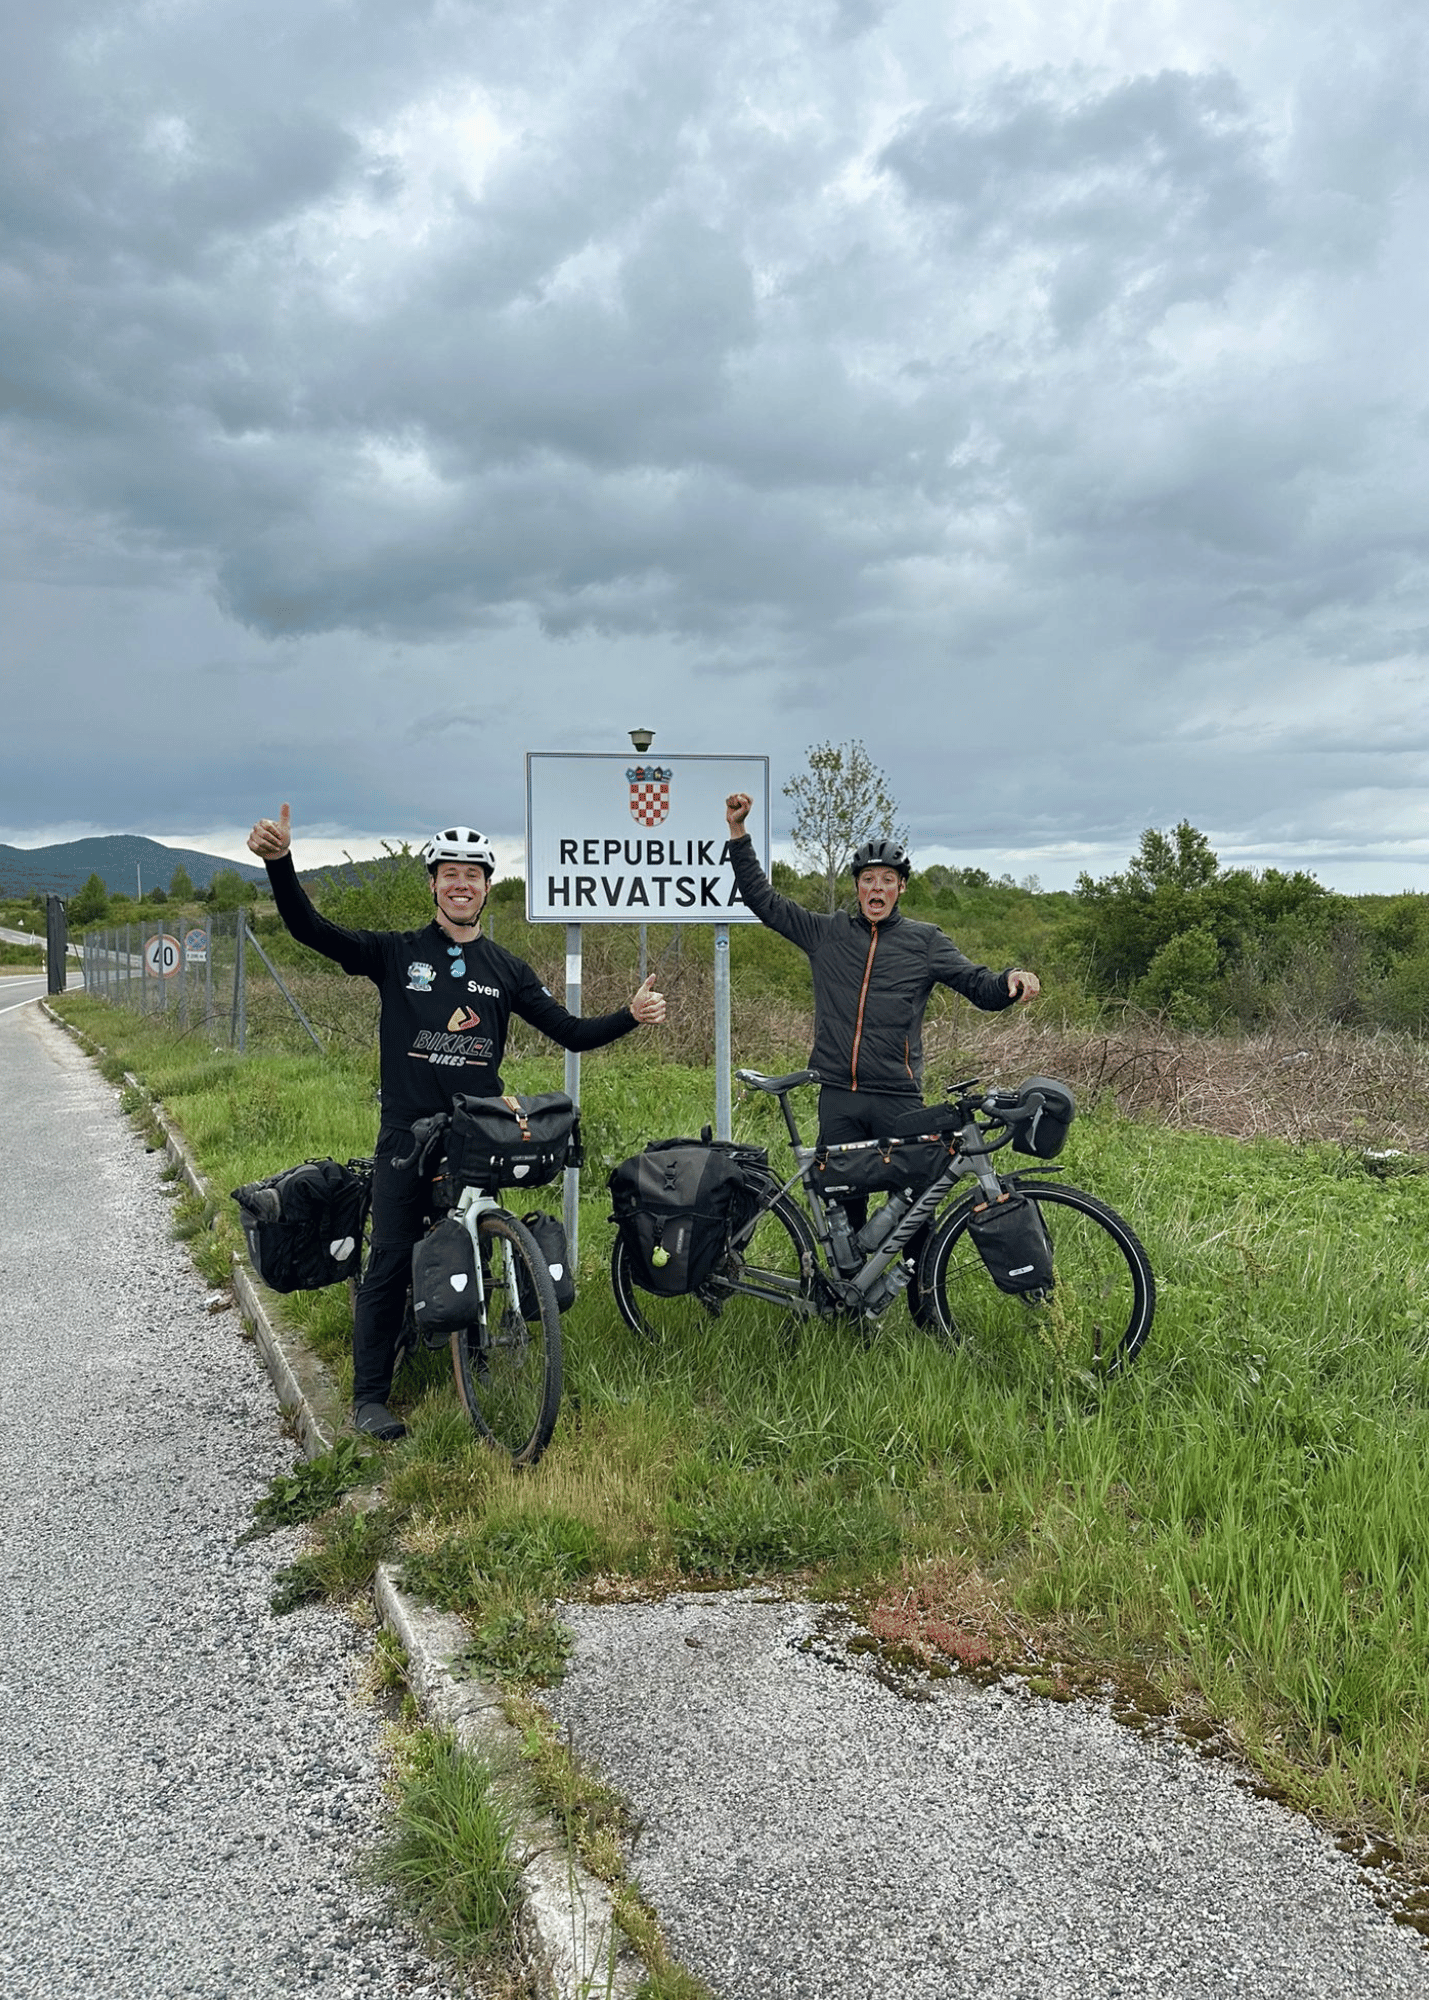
(510, 1141)
(1012, 1240)
(1053, 1108)
(879, 1166)
(676, 1205)
(550, 1234)
(304, 1226)
(444, 1288)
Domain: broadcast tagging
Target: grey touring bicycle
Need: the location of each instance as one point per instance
(980, 1247)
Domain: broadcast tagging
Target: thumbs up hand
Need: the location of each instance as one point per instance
(648, 1006)
(270, 838)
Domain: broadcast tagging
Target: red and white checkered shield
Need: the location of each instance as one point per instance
(649, 793)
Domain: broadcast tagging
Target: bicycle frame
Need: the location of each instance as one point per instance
(868, 1290)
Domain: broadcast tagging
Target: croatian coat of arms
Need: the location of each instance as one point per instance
(649, 793)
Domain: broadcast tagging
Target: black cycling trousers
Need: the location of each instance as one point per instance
(399, 1221)
(846, 1115)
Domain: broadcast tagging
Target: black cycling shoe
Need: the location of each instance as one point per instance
(377, 1421)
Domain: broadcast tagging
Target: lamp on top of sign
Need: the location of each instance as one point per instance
(637, 839)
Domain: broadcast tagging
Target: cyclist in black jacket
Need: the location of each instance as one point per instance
(447, 997)
(873, 973)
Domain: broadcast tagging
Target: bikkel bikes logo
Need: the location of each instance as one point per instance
(420, 976)
(649, 793)
(463, 1021)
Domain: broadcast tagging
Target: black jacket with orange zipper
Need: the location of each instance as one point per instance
(871, 983)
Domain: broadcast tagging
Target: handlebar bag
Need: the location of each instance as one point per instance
(879, 1166)
(1013, 1242)
(1053, 1108)
(496, 1142)
(676, 1205)
(444, 1289)
(304, 1226)
(550, 1234)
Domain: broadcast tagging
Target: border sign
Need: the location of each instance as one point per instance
(636, 839)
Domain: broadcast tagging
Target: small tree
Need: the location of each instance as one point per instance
(91, 905)
(840, 801)
(229, 891)
(181, 888)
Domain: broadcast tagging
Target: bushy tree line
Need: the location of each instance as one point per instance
(93, 904)
(1176, 934)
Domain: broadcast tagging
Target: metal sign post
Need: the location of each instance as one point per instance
(571, 1190)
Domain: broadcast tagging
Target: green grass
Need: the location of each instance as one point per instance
(1236, 1528)
(450, 1855)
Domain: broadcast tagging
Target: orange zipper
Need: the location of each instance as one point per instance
(862, 996)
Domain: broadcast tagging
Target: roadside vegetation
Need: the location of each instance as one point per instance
(1232, 1535)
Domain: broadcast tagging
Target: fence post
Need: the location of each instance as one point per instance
(208, 971)
(278, 982)
(238, 1032)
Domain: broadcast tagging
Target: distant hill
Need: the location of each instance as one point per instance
(118, 859)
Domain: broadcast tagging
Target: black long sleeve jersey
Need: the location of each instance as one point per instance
(439, 1033)
(871, 983)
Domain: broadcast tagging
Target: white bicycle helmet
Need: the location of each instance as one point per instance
(460, 843)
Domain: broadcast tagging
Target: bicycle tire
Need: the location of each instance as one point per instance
(508, 1366)
(1095, 1318)
(779, 1256)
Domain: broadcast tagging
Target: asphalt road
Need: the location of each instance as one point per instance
(187, 1783)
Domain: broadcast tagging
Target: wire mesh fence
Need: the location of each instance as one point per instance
(212, 975)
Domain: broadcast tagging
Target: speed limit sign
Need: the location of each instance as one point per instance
(161, 956)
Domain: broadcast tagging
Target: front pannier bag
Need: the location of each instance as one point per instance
(675, 1205)
(1012, 1241)
(304, 1226)
(444, 1289)
(509, 1141)
(550, 1234)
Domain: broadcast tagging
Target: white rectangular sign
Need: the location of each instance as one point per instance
(637, 839)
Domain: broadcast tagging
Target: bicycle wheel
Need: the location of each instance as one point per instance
(1098, 1311)
(768, 1277)
(508, 1367)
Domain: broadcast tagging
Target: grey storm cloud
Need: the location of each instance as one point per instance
(775, 344)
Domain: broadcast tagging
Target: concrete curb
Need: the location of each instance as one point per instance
(569, 1914)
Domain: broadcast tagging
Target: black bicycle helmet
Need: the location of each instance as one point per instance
(880, 854)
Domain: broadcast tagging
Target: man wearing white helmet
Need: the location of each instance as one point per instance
(447, 997)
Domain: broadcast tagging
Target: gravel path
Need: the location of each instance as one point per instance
(809, 1834)
(186, 1782)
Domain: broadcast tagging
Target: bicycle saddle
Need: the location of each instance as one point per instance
(776, 1084)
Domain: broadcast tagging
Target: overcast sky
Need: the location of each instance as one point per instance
(1034, 390)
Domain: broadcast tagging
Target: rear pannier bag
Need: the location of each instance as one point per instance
(444, 1289)
(304, 1226)
(878, 1166)
(510, 1141)
(1012, 1240)
(675, 1206)
(550, 1234)
(1053, 1109)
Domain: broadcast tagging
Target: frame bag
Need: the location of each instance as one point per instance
(676, 1205)
(879, 1166)
(1012, 1240)
(496, 1142)
(304, 1226)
